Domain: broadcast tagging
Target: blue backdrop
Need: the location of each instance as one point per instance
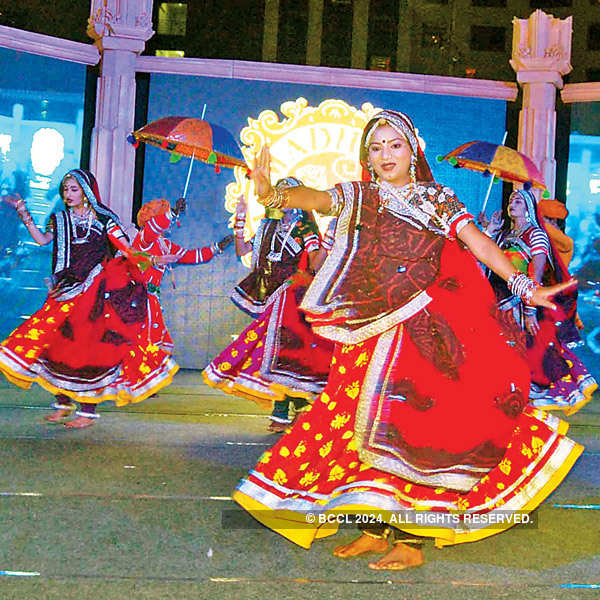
(198, 312)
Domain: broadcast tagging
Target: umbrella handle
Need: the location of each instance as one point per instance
(492, 175)
(187, 181)
(487, 196)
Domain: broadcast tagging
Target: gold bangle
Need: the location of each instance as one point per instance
(276, 198)
(268, 198)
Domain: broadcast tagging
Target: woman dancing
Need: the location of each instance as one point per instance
(84, 344)
(276, 360)
(559, 379)
(154, 220)
(416, 413)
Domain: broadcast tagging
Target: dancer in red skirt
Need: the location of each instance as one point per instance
(155, 219)
(84, 345)
(425, 409)
(277, 360)
(559, 379)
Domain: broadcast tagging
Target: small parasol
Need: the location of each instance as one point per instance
(498, 161)
(193, 137)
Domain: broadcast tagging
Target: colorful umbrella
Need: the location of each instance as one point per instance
(192, 137)
(498, 161)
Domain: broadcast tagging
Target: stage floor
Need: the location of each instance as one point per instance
(133, 506)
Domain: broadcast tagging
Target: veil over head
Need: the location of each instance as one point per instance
(402, 124)
(556, 267)
(89, 185)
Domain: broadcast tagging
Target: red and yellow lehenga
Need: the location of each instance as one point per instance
(277, 355)
(560, 380)
(85, 342)
(425, 406)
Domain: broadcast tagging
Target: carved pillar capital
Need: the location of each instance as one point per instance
(120, 24)
(541, 48)
(541, 56)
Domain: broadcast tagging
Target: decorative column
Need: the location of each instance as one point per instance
(120, 29)
(541, 55)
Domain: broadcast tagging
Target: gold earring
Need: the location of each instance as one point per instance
(413, 171)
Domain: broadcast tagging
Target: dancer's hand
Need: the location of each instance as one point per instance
(495, 223)
(482, 220)
(542, 294)
(12, 200)
(261, 174)
(226, 241)
(180, 206)
(241, 208)
(531, 324)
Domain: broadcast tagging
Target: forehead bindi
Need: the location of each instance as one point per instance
(385, 134)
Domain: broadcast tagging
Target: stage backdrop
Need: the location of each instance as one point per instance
(41, 122)
(198, 311)
(583, 223)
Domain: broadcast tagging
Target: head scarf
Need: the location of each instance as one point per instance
(553, 209)
(89, 185)
(531, 206)
(152, 209)
(404, 126)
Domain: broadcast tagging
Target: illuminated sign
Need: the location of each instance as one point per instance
(318, 145)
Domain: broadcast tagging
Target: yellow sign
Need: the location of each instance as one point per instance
(318, 145)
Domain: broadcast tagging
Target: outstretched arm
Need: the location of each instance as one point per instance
(18, 204)
(197, 256)
(486, 251)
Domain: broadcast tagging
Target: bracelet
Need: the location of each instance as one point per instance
(522, 286)
(26, 218)
(276, 198)
(336, 206)
(216, 248)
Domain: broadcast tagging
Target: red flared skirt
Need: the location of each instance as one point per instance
(392, 432)
(86, 348)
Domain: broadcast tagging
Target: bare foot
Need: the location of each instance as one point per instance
(277, 427)
(79, 423)
(58, 416)
(401, 556)
(361, 545)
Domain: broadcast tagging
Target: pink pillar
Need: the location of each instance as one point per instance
(120, 29)
(541, 55)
